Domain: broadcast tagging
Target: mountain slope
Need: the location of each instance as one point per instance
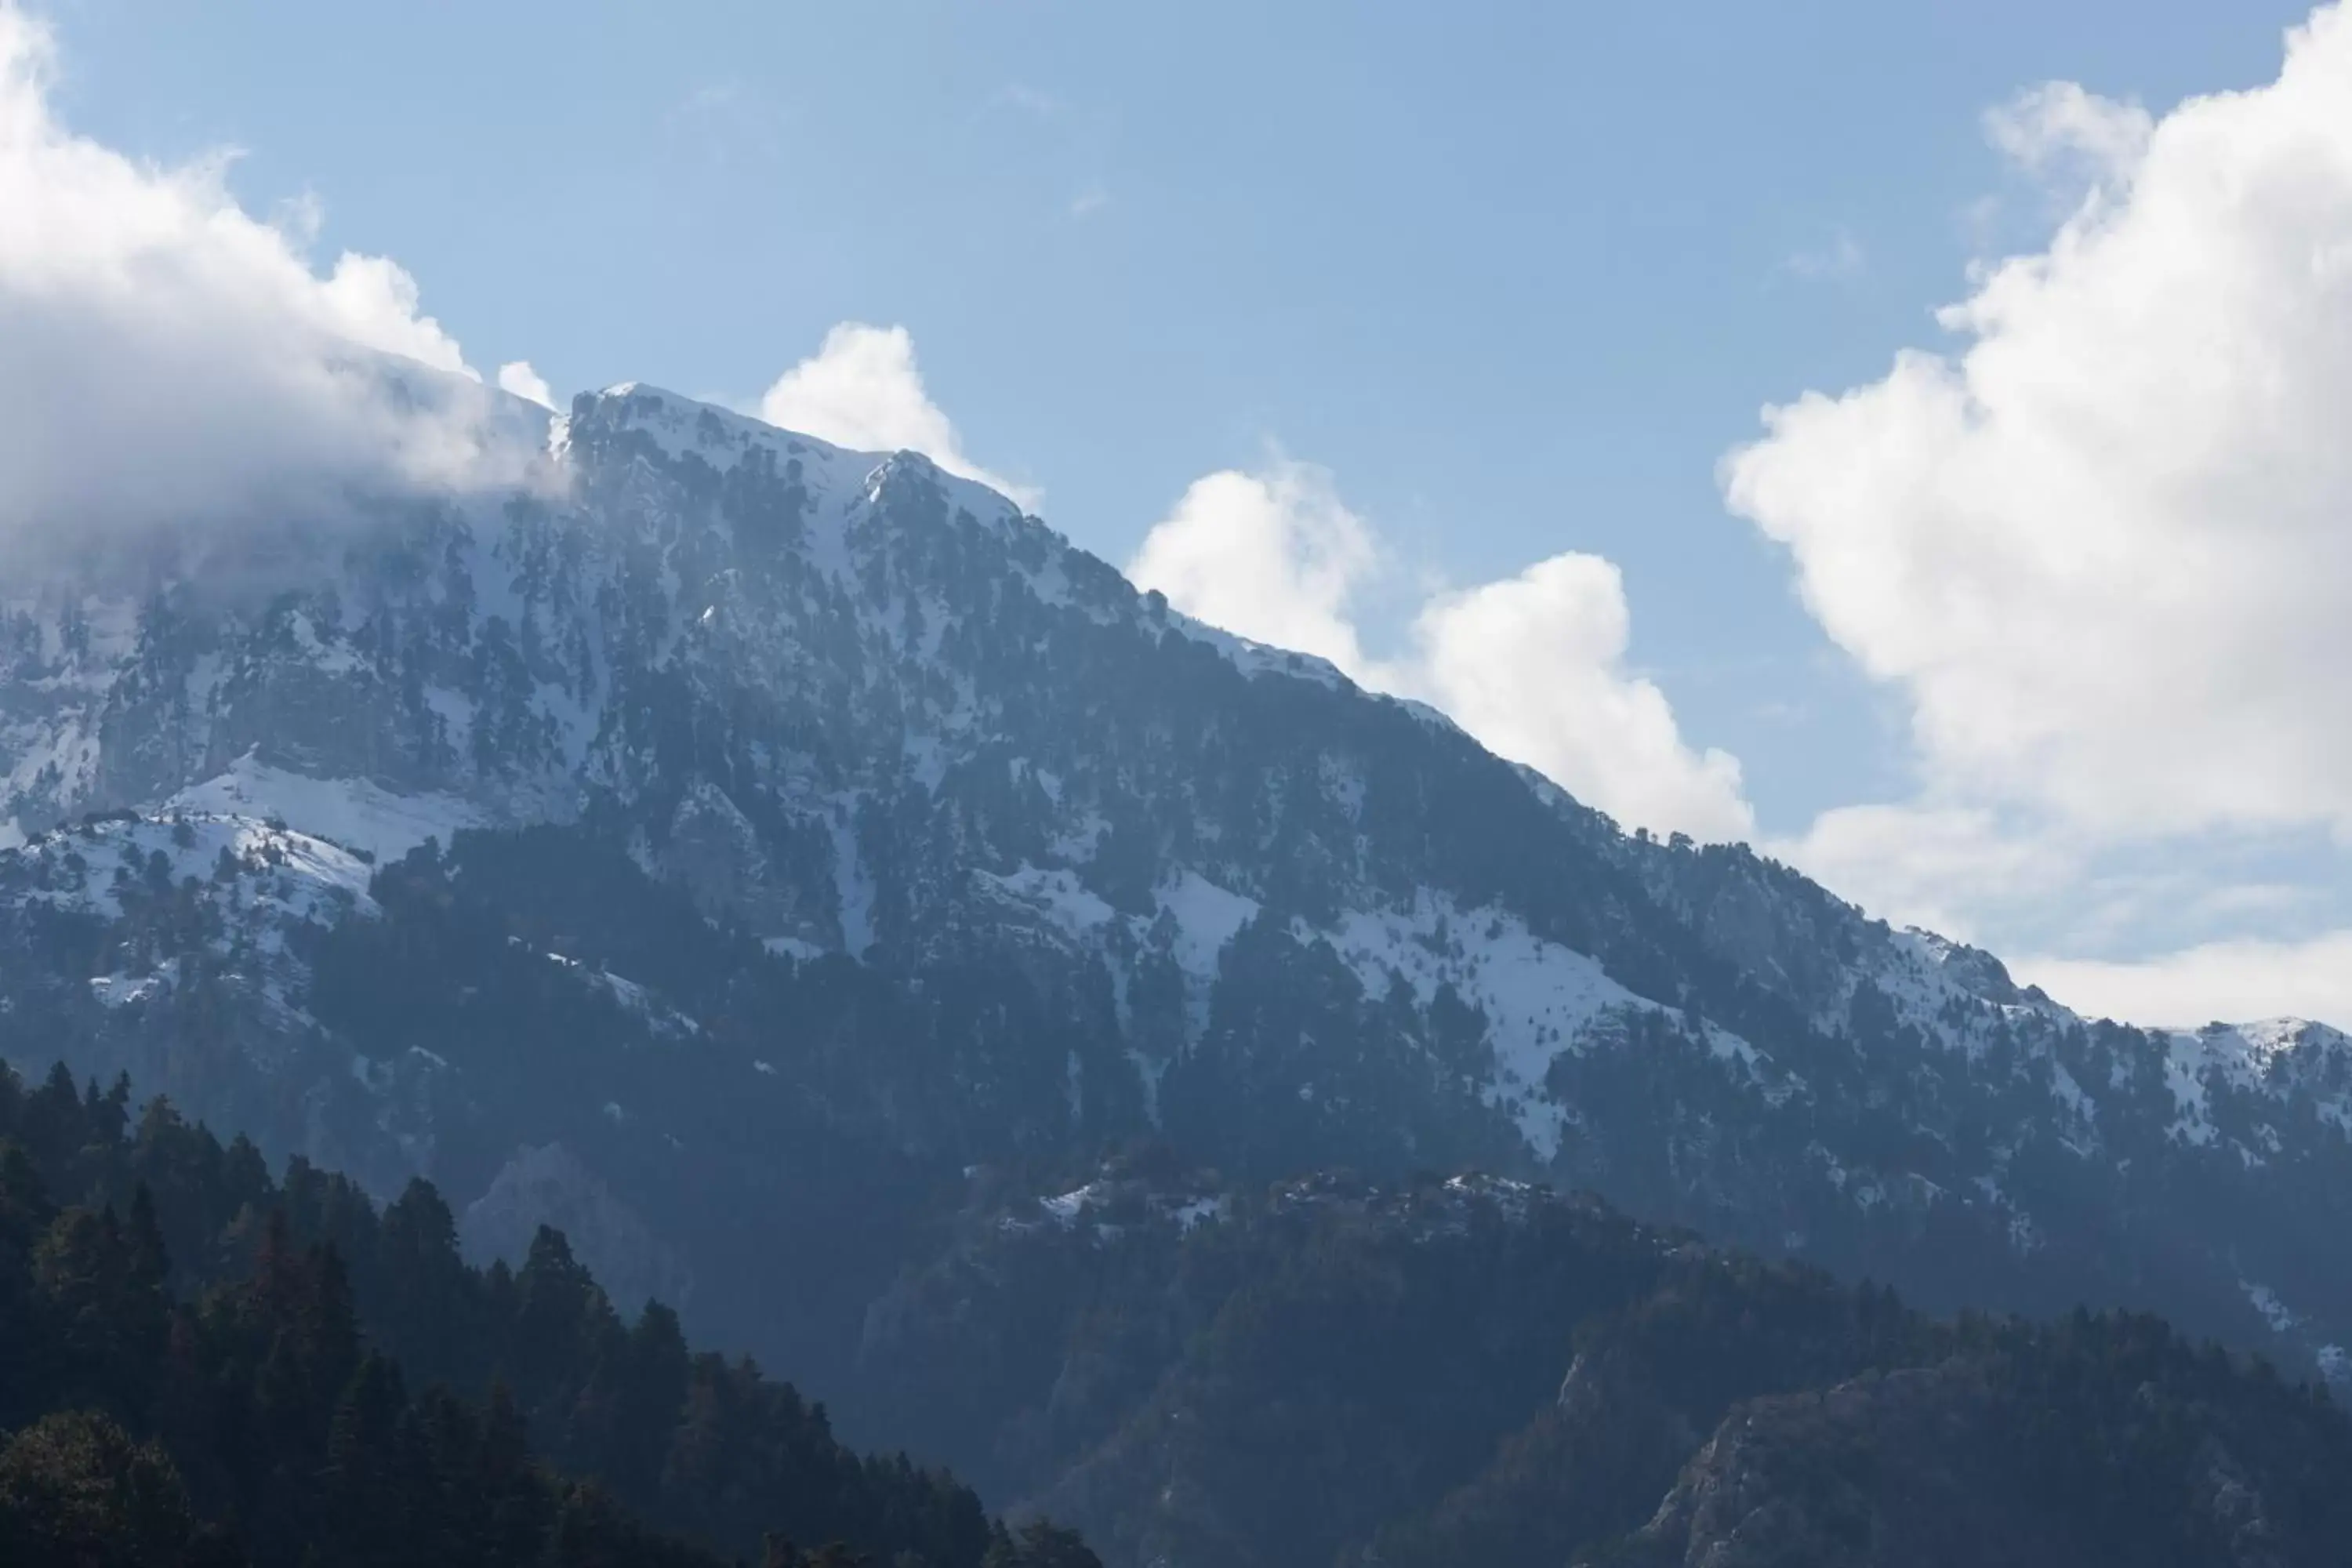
(996, 860)
(1475, 1371)
(1328, 1371)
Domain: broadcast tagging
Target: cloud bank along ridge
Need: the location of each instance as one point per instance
(142, 304)
(2102, 549)
(1533, 666)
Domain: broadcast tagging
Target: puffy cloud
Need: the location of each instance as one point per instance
(1532, 665)
(2106, 548)
(2103, 548)
(862, 390)
(516, 377)
(171, 357)
(2050, 128)
(2233, 980)
(1535, 666)
(1275, 556)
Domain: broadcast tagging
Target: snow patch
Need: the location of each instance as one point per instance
(2274, 1310)
(1256, 658)
(2184, 1064)
(1538, 997)
(123, 990)
(1199, 1211)
(292, 876)
(853, 882)
(1207, 917)
(1056, 894)
(355, 813)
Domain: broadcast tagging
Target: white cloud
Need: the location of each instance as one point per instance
(1532, 665)
(1276, 556)
(170, 357)
(1535, 666)
(2105, 549)
(1946, 867)
(2048, 128)
(517, 377)
(2202, 940)
(2232, 981)
(862, 390)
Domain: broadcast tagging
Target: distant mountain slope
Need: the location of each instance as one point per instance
(201, 1364)
(804, 823)
(1475, 1372)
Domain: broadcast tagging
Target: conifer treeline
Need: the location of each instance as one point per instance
(204, 1366)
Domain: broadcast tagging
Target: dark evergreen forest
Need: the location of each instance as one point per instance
(205, 1365)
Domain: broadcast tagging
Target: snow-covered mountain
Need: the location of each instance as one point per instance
(998, 858)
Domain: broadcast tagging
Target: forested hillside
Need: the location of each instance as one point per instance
(205, 1365)
(1476, 1372)
(202, 1365)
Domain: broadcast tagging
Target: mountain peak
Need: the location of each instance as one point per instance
(682, 427)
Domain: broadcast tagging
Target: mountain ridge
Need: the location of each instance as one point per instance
(1120, 874)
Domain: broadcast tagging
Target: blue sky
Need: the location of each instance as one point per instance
(1505, 281)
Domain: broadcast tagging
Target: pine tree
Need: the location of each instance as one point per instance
(1041, 1544)
(362, 1506)
(75, 1491)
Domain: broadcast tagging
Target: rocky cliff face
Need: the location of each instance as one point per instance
(769, 784)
